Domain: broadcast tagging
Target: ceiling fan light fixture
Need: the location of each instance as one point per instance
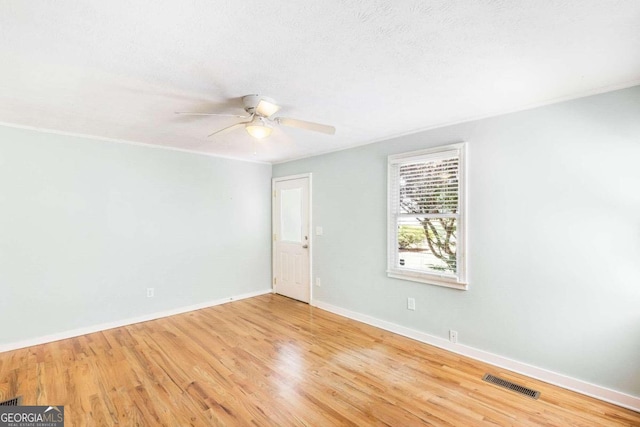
(258, 129)
(260, 110)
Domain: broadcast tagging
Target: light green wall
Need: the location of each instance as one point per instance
(86, 226)
(554, 238)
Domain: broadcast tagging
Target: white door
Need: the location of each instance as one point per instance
(291, 243)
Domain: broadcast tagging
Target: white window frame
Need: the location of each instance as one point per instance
(458, 281)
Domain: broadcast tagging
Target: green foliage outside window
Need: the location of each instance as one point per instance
(410, 237)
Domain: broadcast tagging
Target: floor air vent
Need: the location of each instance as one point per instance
(511, 386)
(16, 401)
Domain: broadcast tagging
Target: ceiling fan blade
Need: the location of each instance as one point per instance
(301, 124)
(228, 128)
(189, 113)
(266, 108)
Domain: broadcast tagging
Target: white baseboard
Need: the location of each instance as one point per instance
(125, 322)
(573, 384)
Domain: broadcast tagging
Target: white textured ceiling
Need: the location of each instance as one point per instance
(373, 69)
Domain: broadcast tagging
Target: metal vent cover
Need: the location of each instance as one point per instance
(16, 401)
(534, 394)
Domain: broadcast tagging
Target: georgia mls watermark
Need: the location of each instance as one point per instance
(31, 416)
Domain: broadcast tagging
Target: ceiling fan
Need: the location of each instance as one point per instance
(260, 111)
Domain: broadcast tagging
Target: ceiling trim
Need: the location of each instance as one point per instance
(604, 89)
(124, 141)
(585, 94)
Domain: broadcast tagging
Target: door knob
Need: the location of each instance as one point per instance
(305, 246)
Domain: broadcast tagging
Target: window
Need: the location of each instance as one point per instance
(426, 234)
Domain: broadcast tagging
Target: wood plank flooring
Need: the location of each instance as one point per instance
(269, 361)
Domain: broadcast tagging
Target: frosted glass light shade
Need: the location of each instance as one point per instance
(258, 130)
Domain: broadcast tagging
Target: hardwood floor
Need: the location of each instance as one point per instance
(270, 360)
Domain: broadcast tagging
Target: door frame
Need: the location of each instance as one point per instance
(273, 227)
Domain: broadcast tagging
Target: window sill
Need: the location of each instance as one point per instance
(429, 279)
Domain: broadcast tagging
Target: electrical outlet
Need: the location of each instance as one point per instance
(411, 303)
(453, 336)
(150, 292)
(318, 283)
